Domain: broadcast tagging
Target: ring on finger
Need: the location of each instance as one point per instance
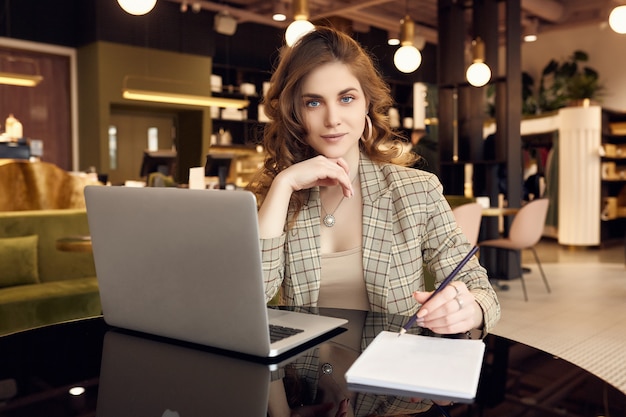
(459, 302)
(456, 289)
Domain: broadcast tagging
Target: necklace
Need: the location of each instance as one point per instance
(329, 218)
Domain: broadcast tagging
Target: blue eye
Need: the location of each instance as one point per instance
(313, 103)
(347, 99)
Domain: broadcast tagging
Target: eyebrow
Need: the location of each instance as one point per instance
(342, 92)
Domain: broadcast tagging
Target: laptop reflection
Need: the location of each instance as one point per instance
(144, 377)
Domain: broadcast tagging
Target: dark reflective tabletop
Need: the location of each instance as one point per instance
(86, 368)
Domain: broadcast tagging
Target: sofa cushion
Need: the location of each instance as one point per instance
(51, 225)
(18, 261)
(27, 306)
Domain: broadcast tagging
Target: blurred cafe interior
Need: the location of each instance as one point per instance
(97, 92)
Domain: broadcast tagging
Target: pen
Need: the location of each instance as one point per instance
(440, 288)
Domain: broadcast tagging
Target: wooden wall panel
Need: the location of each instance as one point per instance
(44, 110)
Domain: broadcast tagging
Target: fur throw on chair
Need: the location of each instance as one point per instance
(38, 186)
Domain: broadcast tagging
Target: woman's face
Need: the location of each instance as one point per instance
(334, 110)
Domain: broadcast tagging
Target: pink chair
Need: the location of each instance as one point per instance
(468, 217)
(526, 230)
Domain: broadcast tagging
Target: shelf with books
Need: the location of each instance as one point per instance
(613, 174)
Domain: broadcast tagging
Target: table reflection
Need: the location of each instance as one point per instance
(317, 377)
(151, 375)
(144, 377)
(122, 373)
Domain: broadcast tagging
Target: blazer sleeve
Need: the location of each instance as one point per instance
(273, 263)
(444, 248)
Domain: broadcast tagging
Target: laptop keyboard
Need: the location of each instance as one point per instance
(279, 332)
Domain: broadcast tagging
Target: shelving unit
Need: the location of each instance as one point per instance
(613, 173)
(245, 130)
(591, 186)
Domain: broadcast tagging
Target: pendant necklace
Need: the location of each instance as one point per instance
(329, 218)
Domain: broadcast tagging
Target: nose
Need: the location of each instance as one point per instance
(332, 118)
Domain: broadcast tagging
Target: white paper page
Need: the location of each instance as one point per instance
(420, 366)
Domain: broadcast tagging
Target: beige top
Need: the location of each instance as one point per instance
(343, 285)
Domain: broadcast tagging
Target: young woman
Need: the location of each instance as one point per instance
(343, 221)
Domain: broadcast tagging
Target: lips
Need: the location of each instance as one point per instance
(333, 137)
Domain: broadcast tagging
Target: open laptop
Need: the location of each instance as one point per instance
(140, 376)
(186, 264)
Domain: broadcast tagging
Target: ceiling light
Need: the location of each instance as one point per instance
(158, 90)
(393, 38)
(137, 7)
(300, 26)
(76, 391)
(407, 58)
(22, 80)
(189, 99)
(279, 17)
(531, 30)
(280, 11)
(479, 73)
(531, 37)
(11, 77)
(617, 19)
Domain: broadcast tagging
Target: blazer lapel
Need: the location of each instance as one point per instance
(377, 233)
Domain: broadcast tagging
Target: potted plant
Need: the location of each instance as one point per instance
(568, 82)
(529, 102)
(584, 85)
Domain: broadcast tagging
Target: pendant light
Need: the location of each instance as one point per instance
(617, 19)
(280, 11)
(137, 7)
(393, 38)
(479, 73)
(407, 58)
(530, 31)
(300, 25)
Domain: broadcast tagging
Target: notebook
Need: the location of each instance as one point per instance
(144, 377)
(419, 366)
(186, 264)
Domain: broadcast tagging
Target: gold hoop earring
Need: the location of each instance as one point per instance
(368, 121)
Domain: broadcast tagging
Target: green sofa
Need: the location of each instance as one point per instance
(40, 284)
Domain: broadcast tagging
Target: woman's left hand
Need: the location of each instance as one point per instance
(453, 310)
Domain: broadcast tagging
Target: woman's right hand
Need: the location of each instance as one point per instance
(318, 171)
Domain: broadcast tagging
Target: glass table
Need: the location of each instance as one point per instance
(87, 368)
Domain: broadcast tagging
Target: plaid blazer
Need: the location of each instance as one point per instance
(407, 225)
